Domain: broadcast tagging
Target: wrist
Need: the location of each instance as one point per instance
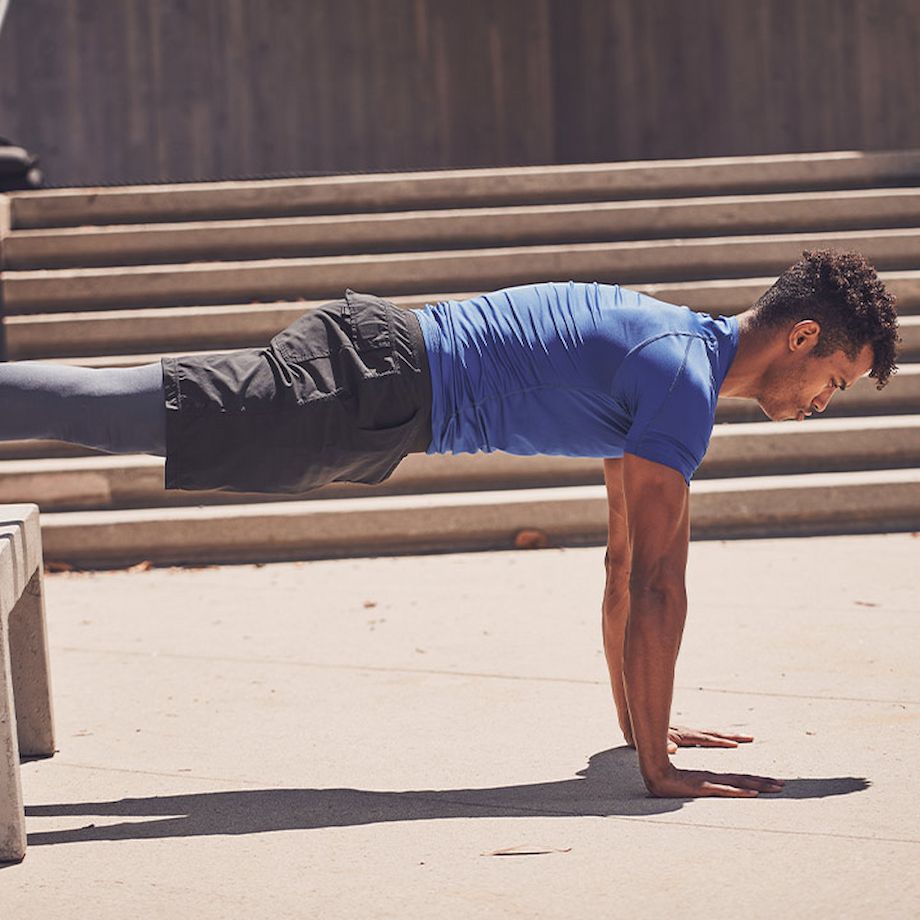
(624, 721)
(655, 771)
(656, 779)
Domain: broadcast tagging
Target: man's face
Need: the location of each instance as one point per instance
(799, 383)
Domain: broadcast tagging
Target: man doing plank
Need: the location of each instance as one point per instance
(826, 322)
(589, 370)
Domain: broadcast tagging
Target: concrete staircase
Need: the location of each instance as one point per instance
(116, 277)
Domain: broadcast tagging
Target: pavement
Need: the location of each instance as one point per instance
(433, 736)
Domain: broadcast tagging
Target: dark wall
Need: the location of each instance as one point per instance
(150, 90)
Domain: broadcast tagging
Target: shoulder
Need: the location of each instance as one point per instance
(670, 361)
(675, 402)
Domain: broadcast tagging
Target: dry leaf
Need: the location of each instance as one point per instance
(58, 567)
(531, 539)
(522, 850)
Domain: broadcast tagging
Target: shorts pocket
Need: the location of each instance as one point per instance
(335, 349)
(319, 333)
(368, 320)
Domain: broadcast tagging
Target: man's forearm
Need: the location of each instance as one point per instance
(614, 618)
(653, 634)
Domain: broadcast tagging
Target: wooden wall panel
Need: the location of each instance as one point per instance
(154, 90)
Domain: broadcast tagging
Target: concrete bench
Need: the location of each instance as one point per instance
(25, 689)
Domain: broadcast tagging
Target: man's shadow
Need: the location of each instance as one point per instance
(610, 785)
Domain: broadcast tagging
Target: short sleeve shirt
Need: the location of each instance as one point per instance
(574, 369)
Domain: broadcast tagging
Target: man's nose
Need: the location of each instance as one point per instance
(820, 403)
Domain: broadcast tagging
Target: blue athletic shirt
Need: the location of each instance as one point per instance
(579, 370)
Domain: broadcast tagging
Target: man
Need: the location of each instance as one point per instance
(825, 323)
(348, 390)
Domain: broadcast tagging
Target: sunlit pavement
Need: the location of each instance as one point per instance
(434, 737)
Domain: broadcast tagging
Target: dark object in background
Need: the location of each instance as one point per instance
(18, 168)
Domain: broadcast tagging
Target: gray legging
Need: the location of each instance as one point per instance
(118, 410)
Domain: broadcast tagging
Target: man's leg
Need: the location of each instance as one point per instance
(118, 410)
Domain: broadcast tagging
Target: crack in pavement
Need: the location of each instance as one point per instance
(442, 672)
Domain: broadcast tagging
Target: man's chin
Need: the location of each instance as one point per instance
(778, 415)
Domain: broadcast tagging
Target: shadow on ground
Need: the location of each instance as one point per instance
(610, 785)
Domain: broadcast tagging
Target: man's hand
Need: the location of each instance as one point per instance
(679, 736)
(685, 784)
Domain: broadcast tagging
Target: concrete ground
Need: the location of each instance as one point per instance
(362, 738)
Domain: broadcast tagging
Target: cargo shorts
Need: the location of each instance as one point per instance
(343, 394)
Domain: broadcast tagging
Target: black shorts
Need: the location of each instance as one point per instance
(342, 395)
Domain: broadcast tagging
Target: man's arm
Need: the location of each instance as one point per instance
(615, 607)
(657, 503)
(615, 614)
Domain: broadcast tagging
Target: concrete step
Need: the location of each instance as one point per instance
(41, 449)
(709, 233)
(231, 240)
(463, 188)
(909, 349)
(228, 326)
(731, 295)
(757, 506)
(900, 396)
(810, 504)
(754, 449)
(114, 332)
(197, 284)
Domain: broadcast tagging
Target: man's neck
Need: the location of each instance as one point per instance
(751, 359)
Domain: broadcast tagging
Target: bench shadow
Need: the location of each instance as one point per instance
(609, 785)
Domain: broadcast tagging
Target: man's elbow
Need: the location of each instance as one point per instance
(657, 608)
(618, 559)
(616, 589)
(660, 586)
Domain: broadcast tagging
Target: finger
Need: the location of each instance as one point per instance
(672, 747)
(770, 780)
(727, 791)
(760, 783)
(716, 741)
(706, 739)
(731, 736)
(751, 776)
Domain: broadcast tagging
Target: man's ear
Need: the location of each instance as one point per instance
(805, 334)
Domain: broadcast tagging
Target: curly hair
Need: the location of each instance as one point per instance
(841, 292)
